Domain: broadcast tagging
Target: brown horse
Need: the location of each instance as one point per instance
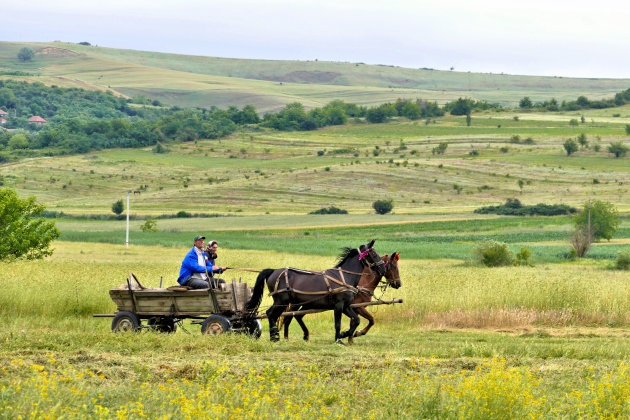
(334, 288)
(367, 284)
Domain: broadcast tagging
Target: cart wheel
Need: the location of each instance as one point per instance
(162, 324)
(215, 325)
(125, 321)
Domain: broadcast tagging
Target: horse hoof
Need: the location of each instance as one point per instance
(306, 337)
(340, 342)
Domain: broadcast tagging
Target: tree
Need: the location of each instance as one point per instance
(582, 140)
(604, 219)
(440, 149)
(24, 233)
(525, 103)
(383, 206)
(19, 141)
(628, 129)
(462, 106)
(25, 54)
(570, 146)
(468, 119)
(118, 207)
(376, 115)
(618, 149)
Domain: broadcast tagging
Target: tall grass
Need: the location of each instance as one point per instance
(76, 280)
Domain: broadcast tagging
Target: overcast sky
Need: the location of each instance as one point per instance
(533, 37)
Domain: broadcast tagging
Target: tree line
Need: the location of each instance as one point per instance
(582, 102)
(81, 120)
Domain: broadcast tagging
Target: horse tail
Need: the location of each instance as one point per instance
(253, 303)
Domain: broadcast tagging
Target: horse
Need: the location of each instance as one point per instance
(368, 283)
(334, 288)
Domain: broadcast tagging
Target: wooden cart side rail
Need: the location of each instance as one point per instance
(354, 305)
(263, 316)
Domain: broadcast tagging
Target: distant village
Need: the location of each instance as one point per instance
(35, 119)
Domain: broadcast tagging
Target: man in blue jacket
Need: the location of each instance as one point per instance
(196, 267)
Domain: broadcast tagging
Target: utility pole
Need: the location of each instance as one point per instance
(589, 222)
(127, 239)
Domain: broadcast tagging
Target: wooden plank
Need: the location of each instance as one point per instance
(354, 305)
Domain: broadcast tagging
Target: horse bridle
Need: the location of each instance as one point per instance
(370, 264)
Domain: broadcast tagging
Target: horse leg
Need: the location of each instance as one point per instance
(273, 314)
(299, 319)
(338, 311)
(354, 323)
(287, 322)
(365, 314)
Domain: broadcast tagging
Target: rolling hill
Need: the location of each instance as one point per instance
(270, 84)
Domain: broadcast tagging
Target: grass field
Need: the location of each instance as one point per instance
(466, 343)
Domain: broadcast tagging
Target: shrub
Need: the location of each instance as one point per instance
(383, 206)
(522, 257)
(149, 225)
(494, 254)
(330, 210)
(623, 260)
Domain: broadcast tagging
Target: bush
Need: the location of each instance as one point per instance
(149, 225)
(383, 206)
(118, 207)
(623, 260)
(494, 254)
(522, 257)
(330, 210)
(513, 207)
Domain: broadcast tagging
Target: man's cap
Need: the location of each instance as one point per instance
(198, 237)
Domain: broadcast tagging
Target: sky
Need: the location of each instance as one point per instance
(529, 37)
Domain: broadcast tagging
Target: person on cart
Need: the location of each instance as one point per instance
(197, 267)
(211, 250)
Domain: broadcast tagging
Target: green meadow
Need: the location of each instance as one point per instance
(542, 341)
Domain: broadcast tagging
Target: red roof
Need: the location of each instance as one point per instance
(2, 112)
(36, 118)
(2, 120)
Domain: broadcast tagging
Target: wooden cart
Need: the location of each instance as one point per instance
(216, 310)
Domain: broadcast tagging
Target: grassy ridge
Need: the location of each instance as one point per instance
(268, 84)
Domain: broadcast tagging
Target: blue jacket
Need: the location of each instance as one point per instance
(191, 265)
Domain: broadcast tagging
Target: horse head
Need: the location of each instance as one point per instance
(392, 275)
(370, 258)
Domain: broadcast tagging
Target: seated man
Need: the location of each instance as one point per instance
(194, 272)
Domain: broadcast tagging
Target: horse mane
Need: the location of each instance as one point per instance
(346, 253)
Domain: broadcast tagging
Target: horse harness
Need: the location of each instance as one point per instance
(331, 290)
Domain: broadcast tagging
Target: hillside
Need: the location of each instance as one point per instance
(269, 85)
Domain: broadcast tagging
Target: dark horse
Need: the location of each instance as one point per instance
(334, 288)
(368, 283)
